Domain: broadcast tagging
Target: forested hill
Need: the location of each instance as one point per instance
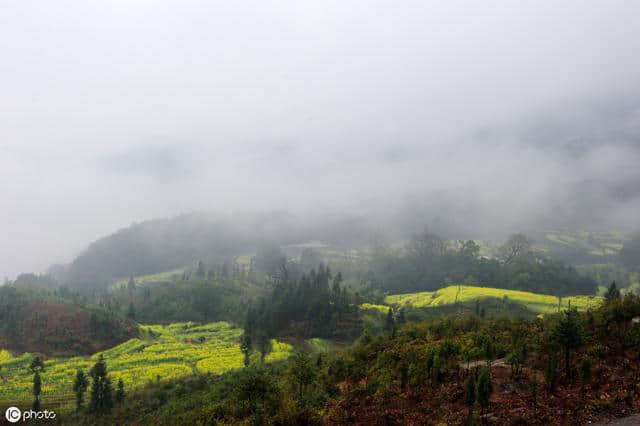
(425, 261)
(165, 244)
(54, 323)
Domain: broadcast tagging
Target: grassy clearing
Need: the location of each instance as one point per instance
(539, 303)
(162, 352)
(383, 309)
(320, 345)
(161, 277)
(593, 243)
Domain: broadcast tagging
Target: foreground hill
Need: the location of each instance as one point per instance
(160, 353)
(568, 368)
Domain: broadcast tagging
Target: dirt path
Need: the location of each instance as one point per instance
(482, 362)
(625, 421)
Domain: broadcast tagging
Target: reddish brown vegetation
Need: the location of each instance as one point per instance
(63, 329)
(614, 392)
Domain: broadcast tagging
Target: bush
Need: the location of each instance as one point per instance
(585, 369)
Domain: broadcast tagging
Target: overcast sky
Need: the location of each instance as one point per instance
(119, 111)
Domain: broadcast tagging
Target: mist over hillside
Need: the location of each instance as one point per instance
(573, 168)
(471, 119)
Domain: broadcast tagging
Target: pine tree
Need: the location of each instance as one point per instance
(37, 388)
(551, 372)
(485, 388)
(131, 313)
(264, 345)
(569, 335)
(200, 269)
(389, 323)
(120, 394)
(612, 293)
(401, 317)
(470, 391)
(533, 390)
(303, 374)
(36, 367)
(101, 389)
(585, 369)
(245, 347)
(79, 387)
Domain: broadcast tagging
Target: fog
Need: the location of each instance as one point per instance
(476, 117)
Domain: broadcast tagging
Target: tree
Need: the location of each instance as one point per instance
(303, 374)
(264, 345)
(533, 390)
(256, 392)
(485, 388)
(401, 317)
(309, 258)
(551, 371)
(389, 322)
(516, 246)
(245, 347)
(585, 369)
(269, 259)
(120, 394)
(131, 313)
(36, 367)
(569, 335)
(470, 391)
(427, 246)
(336, 292)
(612, 293)
(101, 389)
(200, 273)
(79, 387)
(517, 358)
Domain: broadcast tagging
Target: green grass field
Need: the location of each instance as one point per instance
(320, 345)
(383, 309)
(161, 277)
(592, 243)
(538, 303)
(164, 352)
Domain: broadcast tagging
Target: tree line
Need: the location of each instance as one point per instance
(429, 262)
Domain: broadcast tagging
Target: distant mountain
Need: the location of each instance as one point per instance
(165, 244)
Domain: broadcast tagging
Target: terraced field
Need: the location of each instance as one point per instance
(539, 303)
(593, 243)
(162, 352)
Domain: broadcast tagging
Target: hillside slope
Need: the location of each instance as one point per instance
(538, 303)
(167, 244)
(32, 322)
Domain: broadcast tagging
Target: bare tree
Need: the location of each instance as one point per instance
(427, 245)
(516, 246)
